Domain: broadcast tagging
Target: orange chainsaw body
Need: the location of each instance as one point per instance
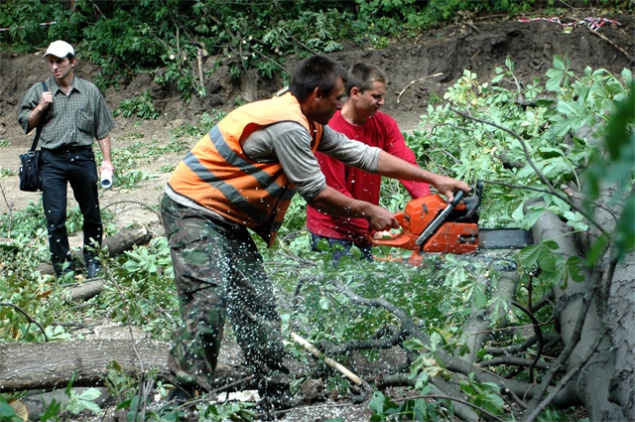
(452, 236)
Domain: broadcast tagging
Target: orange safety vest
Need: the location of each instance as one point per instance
(218, 175)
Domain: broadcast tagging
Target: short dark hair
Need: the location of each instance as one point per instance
(362, 76)
(316, 72)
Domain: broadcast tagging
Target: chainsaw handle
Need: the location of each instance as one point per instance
(458, 195)
(439, 219)
(398, 240)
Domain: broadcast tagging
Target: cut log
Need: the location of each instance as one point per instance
(126, 239)
(43, 366)
(87, 290)
(113, 245)
(330, 362)
(30, 366)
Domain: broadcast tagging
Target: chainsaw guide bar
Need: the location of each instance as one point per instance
(504, 238)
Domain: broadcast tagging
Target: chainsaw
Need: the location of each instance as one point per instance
(431, 225)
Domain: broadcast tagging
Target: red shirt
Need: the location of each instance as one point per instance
(379, 130)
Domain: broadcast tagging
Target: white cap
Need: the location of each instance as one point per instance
(59, 49)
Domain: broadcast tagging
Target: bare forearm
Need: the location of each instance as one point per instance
(332, 202)
(396, 168)
(104, 145)
(335, 203)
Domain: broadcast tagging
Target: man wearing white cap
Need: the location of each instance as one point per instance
(75, 114)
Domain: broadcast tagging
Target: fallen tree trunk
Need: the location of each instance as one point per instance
(126, 239)
(87, 290)
(590, 353)
(30, 366)
(44, 366)
(113, 245)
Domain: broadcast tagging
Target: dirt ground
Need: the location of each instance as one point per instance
(480, 46)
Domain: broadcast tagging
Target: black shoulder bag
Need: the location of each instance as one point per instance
(30, 177)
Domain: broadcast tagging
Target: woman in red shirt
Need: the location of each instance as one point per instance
(361, 120)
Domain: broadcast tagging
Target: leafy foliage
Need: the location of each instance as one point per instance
(554, 137)
(414, 409)
(126, 37)
(141, 107)
(617, 169)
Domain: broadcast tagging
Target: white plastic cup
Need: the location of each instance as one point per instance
(106, 178)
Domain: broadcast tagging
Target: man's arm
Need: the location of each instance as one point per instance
(36, 114)
(104, 123)
(104, 145)
(334, 171)
(332, 202)
(391, 166)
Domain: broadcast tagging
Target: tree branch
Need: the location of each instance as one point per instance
(538, 332)
(530, 161)
(509, 360)
(31, 320)
(557, 195)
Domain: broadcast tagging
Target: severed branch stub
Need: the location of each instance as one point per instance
(330, 362)
(416, 80)
(362, 391)
(365, 388)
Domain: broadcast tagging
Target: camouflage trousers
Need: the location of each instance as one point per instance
(219, 273)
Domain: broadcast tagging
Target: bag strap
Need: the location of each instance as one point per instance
(40, 123)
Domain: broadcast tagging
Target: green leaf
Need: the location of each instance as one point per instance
(421, 410)
(380, 403)
(325, 303)
(574, 266)
(90, 394)
(558, 63)
(413, 344)
(548, 262)
(554, 80)
(480, 299)
(491, 402)
(529, 254)
(6, 411)
(545, 102)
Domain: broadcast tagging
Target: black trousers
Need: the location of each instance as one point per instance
(74, 165)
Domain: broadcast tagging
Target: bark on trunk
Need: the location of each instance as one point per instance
(29, 366)
(35, 366)
(593, 355)
(113, 245)
(87, 290)
(621, 318)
